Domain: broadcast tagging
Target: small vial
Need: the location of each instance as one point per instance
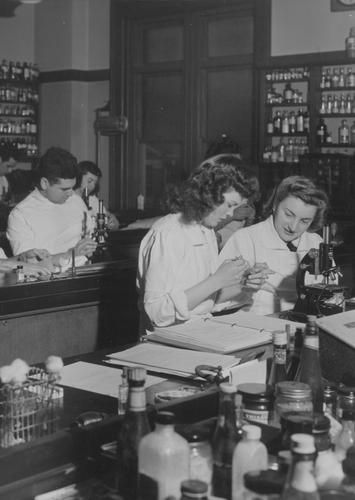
(20, 275)
(123, 392)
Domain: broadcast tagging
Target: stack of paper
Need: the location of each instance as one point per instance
(223, 334)
(171, 360)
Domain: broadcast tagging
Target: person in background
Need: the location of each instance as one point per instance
(178, 271)
(50, 219)
(294, 213)
(88, 188)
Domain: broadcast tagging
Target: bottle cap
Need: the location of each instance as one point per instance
(294, 390)
(297, 422)
(194, 486)
(227, 388)
(279, 337)
(137, 376)
(302, 444)
(251, 432)
(165, 418)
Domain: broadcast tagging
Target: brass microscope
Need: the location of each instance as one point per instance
(326, 296)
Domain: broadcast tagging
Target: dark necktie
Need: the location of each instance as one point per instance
(291, 246)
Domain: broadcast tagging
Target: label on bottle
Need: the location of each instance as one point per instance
(312, 342)
(147, 488)
(280, 355)
(259, 416)
(137, 399)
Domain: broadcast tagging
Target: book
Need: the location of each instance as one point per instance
(171, 360)
(341, 326)
(223, 334)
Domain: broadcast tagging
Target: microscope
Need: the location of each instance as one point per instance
(100, 235)
(326, 296)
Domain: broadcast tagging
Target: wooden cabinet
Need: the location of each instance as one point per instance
(188, 78)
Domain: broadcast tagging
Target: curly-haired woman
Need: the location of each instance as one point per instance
(178, 271)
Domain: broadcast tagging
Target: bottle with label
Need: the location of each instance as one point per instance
(163, 460)
(321, 132)
(344, 133)
(123, 392)
(278, 367)
(224, 440)
(277, 122)
(249, 454)
(310, 369)
(288, 93)
(300, 483)
(134, 426)
(350, 43)
(352, 134)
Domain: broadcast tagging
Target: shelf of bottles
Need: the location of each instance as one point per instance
(336, 114)
(19, 99)
(287, 123)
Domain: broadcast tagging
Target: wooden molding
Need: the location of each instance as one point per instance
(75, 75)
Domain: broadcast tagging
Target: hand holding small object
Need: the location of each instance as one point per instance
(231, 272)
(257, 275)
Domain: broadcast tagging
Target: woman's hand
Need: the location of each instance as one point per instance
(257, 275)
(231, 272)
(112, 222)
(41, 271)
(86, 246)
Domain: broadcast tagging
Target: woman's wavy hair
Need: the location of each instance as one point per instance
(306, 190)
(204, 188)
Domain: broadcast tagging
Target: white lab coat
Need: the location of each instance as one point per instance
(261, 243)
(39, 223)
(173, 257)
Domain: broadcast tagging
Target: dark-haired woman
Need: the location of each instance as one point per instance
(296, 212)
(88, 187)
(178, 271)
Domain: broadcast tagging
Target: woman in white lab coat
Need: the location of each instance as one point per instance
(295, 213)
(179, 275)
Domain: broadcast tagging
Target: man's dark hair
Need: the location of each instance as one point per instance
(56, 163)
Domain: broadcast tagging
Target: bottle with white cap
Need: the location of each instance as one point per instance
(278, 368)
(249, 454)
(301, 483)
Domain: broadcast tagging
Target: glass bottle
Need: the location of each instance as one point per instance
(288, 93)
(321, 132)
(348, 483)
(310, 369)
(346, 437)
(344, 133)
(352, 134)
(134, 426)
(277, 122)
(292, 396)
(123, 392)
(350, 43)
(294, 422)
(224, 440)
(163, 460)
(249, 454)
(201, 458)
(300, 483)
(278, 368)
(295, 355)
(328, 470)
(300, 122)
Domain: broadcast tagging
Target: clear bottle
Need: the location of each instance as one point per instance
(346, 437)
(328, 470)
(300, 483)
(278, 368)
(224, 440)
(201, 458)
(344, 133)
(249, 454)
(300, 122)
(321, 132)
(292, 396)
(163, 460)
(310, 369)
(134, 426)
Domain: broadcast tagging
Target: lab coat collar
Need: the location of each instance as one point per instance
(273, 241)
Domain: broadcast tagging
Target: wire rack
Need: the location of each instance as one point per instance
(30, 410)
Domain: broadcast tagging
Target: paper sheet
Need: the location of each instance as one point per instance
(97, 378)
(341, 326)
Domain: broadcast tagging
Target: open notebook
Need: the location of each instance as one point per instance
(223, 334)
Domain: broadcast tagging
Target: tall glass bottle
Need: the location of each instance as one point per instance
(295, 355)
(278, 368)
(224, 440)
(300, 483)
(163, 460)
(310, 369)
(134, 426)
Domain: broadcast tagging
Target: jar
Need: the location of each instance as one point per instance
(293, 397)
(330, 393)
(258, 402)
(346, 401)
(201, 460)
